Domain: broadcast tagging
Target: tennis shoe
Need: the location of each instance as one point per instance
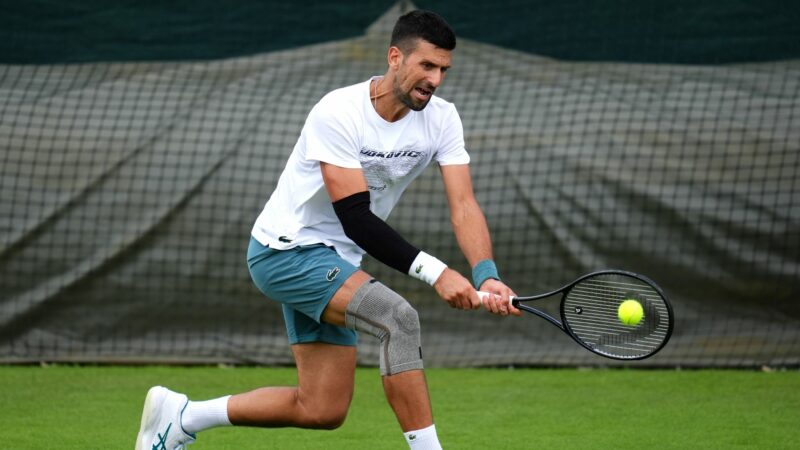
(161, 427)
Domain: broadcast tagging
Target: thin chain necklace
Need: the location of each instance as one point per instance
(377, 95)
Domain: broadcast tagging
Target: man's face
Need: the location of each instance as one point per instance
(419, 73)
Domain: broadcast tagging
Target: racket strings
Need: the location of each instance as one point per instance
(591, 312)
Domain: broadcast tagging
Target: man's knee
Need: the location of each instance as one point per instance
(324, 414)
(406, 317)
(377, 310)
(328, 419)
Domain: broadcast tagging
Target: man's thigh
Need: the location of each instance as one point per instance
(325, 373)
(303, 280)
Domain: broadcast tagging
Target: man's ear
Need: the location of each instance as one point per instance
(394, 57)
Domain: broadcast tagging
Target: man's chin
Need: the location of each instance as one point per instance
(414, 104)
(417, 105)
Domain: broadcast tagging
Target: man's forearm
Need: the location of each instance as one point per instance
(472, 232)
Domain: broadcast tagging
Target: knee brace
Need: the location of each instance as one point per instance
(377, 310)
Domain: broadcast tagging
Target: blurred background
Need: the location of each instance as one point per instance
(139, 140)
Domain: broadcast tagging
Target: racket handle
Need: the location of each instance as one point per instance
(483, 295)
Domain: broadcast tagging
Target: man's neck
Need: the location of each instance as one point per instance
(384, 101)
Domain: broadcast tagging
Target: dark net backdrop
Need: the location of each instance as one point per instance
(128, 190)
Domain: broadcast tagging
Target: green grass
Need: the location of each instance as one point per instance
(63, 407)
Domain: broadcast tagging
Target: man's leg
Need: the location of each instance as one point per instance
(325, 375)
(407, 393)
(321, 399)
(406, 390)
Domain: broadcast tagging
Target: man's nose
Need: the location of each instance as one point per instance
(435, 78)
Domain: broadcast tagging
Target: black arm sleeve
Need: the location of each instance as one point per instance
(372, 234)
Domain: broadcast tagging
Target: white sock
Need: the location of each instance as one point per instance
(199, 416)
(424, 439)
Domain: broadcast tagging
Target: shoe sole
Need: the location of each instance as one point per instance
(155, 397)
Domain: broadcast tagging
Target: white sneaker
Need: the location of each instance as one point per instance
(161, 421)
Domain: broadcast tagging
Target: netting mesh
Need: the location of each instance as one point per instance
(128, 191)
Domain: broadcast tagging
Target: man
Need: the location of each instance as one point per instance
(359, 149)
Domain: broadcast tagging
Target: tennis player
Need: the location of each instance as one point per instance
(360, 148)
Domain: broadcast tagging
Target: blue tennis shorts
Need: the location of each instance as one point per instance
(303, 279)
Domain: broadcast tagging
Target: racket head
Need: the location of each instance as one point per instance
(589, 313)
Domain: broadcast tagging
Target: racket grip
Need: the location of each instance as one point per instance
(483, 295)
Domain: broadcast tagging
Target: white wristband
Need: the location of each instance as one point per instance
(426, 268)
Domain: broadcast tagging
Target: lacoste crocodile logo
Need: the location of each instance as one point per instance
(332, 274)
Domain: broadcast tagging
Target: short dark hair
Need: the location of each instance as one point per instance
(421, 24)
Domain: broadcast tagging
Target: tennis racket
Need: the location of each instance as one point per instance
(589, 314)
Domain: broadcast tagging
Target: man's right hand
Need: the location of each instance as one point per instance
(456, 290)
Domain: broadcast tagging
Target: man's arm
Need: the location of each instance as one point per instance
(472, 232)
(347, 189)
(341, 182)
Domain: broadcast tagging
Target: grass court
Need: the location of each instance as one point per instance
(93, 407)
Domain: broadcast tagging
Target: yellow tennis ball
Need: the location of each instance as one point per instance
(630, 312)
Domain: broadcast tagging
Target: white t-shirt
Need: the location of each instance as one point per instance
(344, 129)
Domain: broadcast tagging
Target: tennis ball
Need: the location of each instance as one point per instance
(630, 312)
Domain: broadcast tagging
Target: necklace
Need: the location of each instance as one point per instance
(376, 95)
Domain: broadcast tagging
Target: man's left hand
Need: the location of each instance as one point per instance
(500, 302)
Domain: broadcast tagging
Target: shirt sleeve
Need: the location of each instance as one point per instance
(330, 137)
(451, 149)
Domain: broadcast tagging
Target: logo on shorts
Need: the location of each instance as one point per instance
(332, 274)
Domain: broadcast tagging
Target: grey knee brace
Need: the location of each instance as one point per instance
(377, 310)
